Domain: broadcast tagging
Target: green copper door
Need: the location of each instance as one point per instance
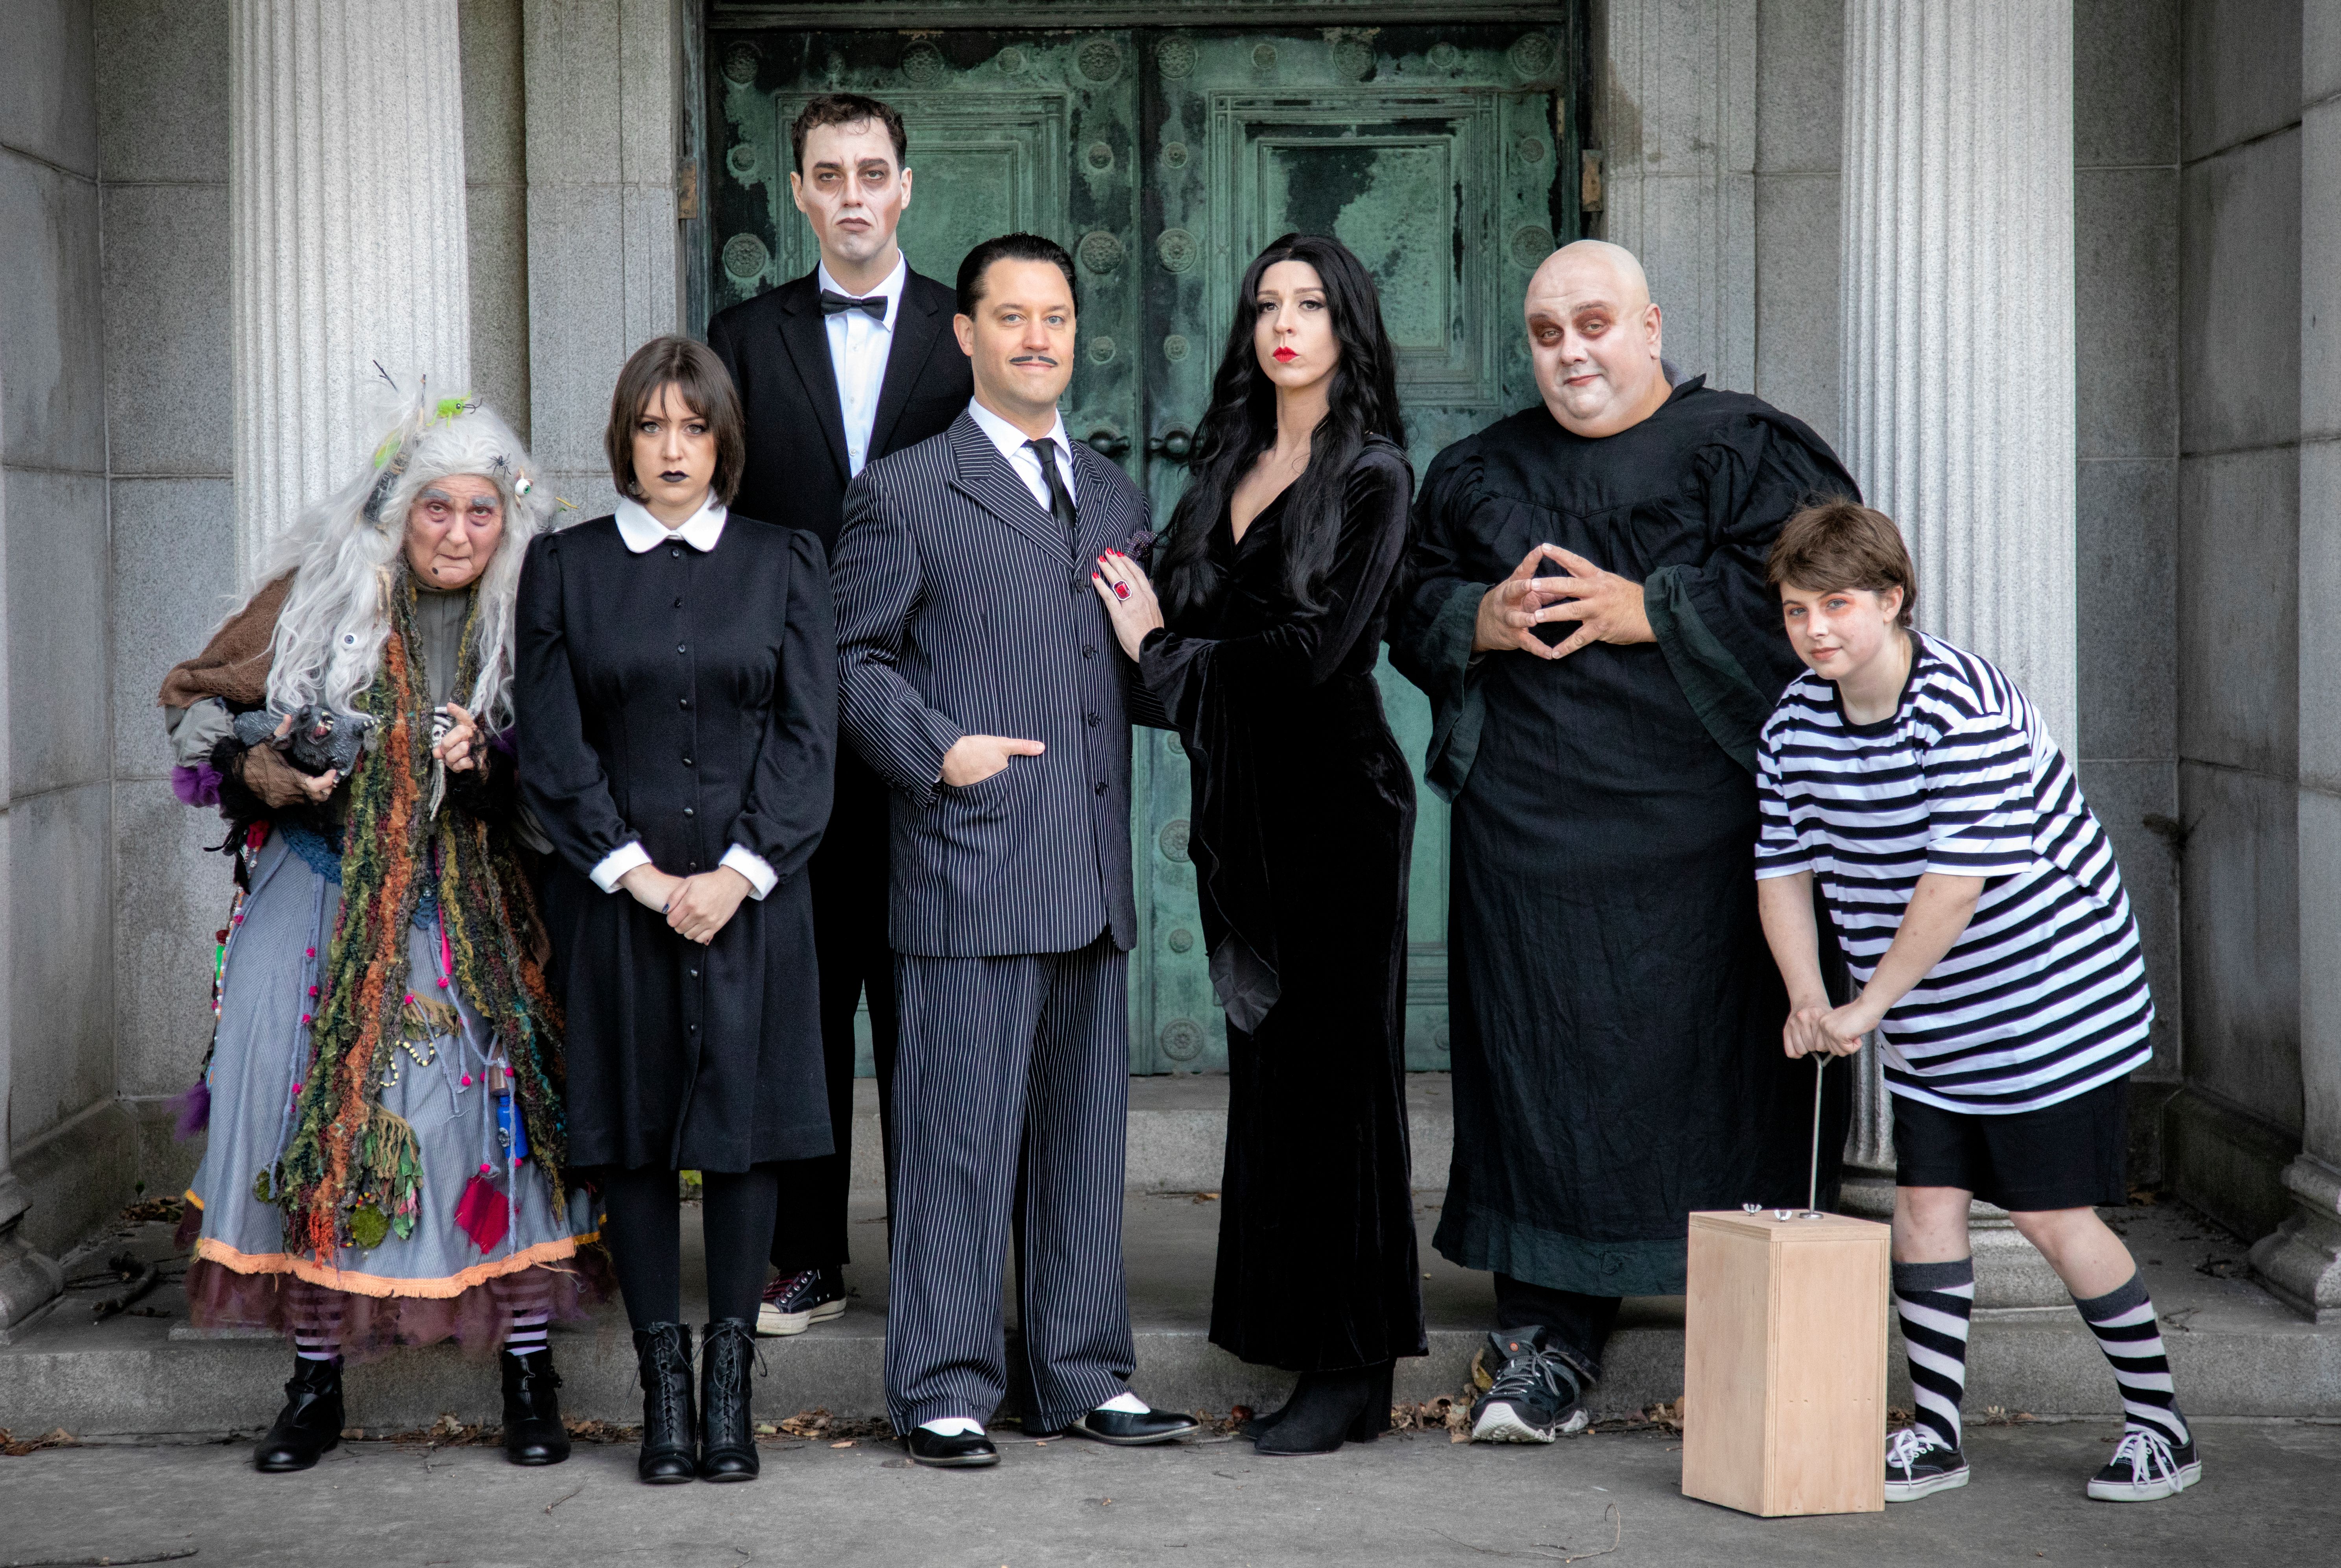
(1164, 159)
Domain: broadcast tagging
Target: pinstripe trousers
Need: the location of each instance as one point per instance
(1001, 1061)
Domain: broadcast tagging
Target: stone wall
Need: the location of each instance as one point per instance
(2238, 485)
(56, 817)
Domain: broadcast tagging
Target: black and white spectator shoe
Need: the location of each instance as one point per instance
(1533, 1397)
(795, 1303)
(2146, 1467)
(1918, 1463)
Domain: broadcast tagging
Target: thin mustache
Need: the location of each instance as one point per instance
(1034, 359)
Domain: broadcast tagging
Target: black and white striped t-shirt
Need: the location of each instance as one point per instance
(2044, 995)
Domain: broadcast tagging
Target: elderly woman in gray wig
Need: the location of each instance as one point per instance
(383, 1095)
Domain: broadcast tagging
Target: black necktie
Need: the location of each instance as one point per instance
(1061, 502)
(832, 303)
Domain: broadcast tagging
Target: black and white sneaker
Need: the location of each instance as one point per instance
(1532, 1394)
(1918, 1465)
(795, 1303)
(2146, 1467)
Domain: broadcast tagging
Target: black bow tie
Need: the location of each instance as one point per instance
(834, 303)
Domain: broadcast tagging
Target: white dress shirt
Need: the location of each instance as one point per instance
(1022, 458)
(859, 343)
(642, 533)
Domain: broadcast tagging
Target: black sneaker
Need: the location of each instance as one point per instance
(1532, 1394)
(2145, 1467)
(795, 1303)
(1918, 1463)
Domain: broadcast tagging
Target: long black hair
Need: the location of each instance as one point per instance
(1241, 424)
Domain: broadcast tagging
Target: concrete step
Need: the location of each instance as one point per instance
(2235, 1352)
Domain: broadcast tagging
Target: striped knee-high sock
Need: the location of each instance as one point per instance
(532, 1309)
(2123, 1319)
(1934, 1301)
(316, 1323)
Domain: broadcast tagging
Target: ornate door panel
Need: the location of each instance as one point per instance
(1164, 159)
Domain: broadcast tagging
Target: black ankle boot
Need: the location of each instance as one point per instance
(533, 1430)
(727, 1439)
(1328, 1407)
(669, 1423)
(1370, 1425)
(309, 1422)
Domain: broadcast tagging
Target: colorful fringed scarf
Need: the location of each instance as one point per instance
(351, 1172)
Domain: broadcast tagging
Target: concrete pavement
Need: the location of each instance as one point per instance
(2267, 1496)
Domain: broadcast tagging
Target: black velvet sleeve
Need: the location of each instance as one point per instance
(787, 801)
(1308, 646)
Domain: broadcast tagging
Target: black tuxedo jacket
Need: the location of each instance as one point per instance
(776, 347)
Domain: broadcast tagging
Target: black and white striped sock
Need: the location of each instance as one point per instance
(2123, 1319)
(1936, 1301)
(527, 1334)
(316, 1321)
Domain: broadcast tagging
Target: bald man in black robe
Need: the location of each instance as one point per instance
(1589, 615)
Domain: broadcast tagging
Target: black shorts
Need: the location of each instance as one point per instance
(2074, 1155)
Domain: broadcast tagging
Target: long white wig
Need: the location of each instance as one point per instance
(344, 552)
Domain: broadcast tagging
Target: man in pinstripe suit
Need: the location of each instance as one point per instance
(982, 682)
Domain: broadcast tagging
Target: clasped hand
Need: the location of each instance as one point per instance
(696, 907)
(455, 747)
(1608, 607)
(1816, 1027)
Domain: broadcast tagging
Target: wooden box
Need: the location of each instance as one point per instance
(1784, 1374)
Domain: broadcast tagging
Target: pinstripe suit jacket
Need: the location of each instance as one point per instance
(960, 612)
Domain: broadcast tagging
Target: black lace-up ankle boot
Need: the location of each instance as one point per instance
(309, 1422)
(669, 1423)
(727, 1445)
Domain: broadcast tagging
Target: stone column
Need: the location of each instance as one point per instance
(348, 243)
(2301, 1261)
(1956, 371)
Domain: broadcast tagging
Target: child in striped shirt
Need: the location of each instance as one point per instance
(1982, 914)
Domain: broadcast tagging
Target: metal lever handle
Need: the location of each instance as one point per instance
(1176, 441)
(1106, 443)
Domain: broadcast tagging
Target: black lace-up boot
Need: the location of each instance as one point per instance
(533, 1430)
(727, 1443)
(309, 1422)
(669, 1423)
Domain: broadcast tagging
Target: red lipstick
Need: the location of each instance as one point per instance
(1286, 357)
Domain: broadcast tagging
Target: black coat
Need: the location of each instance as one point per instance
(776, 347)
(689, 702)
(960, 612)
(1304, 821)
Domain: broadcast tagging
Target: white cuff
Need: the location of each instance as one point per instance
(750, 864)
(619, 862)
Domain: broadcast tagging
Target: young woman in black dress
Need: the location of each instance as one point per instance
(677, 702)
(1277, 582)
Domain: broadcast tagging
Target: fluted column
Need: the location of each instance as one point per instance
(1956, 361)
(348, 243)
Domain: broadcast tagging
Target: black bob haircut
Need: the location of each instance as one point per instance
(1011, 248)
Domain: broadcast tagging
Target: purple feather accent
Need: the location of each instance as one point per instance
(194, 1108)
(1141, 545)
(197, 785)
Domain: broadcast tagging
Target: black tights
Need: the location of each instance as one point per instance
(645, 1239)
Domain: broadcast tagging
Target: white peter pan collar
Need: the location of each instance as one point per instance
(643, 532)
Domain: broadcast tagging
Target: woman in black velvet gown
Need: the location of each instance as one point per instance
(1278, 579)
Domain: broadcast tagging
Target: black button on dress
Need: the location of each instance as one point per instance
(1303, 824)
(618, 741)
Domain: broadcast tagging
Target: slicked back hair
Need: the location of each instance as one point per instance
(706, 389)
(1011, 248)
(1839, 544)
(847, 109)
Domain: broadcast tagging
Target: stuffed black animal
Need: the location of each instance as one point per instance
(321, 740)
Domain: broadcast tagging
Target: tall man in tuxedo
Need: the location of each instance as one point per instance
(853, 361)
(982, 682)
